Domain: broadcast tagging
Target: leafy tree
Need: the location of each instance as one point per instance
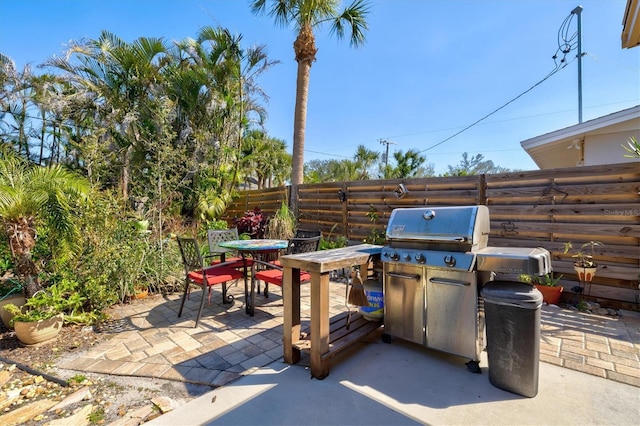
(266, 157)
(33, 197)
(15, 100)
(235, 71)
(120, 78)
(474, 166)
(409, 164)
(365, 159)
(305, 15)
(331, 171)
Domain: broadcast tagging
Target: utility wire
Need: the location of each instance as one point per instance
(566, 43)
(495, 110)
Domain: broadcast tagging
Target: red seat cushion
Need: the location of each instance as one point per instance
(235, 262)
(217, 275)
(274, 276)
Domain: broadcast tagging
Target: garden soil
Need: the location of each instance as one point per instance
(30, 380)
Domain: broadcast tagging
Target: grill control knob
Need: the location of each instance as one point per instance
(420, 258)
(395, 256)
(407, 257)
(450, 260)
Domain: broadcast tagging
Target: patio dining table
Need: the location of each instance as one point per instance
(257, 249)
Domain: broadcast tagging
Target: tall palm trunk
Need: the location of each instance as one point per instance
(305, 50)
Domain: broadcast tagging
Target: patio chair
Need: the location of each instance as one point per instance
(196, 273)
(219, 254)
(305, 233)
(272, 272)
(301, 236)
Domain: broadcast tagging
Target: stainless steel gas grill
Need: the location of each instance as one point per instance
(431, 279)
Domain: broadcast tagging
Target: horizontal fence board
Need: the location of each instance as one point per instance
(623, 230)
(539, 208)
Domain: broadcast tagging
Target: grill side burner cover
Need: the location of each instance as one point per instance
(465, 225)
(519, 260)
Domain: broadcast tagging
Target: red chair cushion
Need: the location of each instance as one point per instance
(236, 262)
(217, 275)
(274, 276)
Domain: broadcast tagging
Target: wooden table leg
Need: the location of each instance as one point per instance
(319, 324)
(291, 326)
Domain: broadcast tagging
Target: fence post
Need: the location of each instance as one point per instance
(345, 213)
(482, 190)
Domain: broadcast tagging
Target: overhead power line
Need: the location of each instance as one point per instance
(566, 43)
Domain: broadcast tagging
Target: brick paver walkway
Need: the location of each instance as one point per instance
(147, 339)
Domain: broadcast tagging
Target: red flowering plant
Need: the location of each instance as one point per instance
(253, 223)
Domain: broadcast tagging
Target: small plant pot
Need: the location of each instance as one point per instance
(550, 295)
(34, 332)
(585, 274)
(16, 299)
(141, 294)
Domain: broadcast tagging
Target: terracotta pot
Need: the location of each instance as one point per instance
(550, 295)
(31, 333)
(16, 299)
(140, 293)
(585, 275)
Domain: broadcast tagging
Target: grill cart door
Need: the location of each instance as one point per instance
(404, 299)
(452, 316)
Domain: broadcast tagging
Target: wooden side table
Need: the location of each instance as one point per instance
(319, 344)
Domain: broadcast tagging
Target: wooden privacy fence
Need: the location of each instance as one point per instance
(542, 208)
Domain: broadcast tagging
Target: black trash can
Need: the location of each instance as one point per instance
(512, 321)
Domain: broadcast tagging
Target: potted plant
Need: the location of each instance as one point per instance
(584, 264)
(10, 292)
(33, 325)
(140, 291)
(547, 284)
(281, 225)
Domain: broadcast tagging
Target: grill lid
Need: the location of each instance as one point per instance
(461, 225)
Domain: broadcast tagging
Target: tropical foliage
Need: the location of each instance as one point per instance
(34, 198)
(117, 145)
(633, 148)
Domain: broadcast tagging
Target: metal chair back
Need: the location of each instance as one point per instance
(191, 256)
(305, 233)
(303, 245)
(216, 236)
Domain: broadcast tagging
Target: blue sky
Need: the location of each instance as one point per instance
(428, 69)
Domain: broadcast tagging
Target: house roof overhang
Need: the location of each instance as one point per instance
(631, 25)
(550, 150)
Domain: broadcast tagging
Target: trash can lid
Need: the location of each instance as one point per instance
(513, 293)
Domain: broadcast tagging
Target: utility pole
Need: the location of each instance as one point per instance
(386, 155)
(578, 12)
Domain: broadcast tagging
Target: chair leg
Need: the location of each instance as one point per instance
(226, 298)
(266, 289)
(184, 297)
(205, 289)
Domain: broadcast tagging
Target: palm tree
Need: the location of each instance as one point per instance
(31, 196)
(236, 70)
(265, 158)
(121, 77)
(365, 159)
(306, 15)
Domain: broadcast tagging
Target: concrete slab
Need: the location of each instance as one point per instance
(402, 383)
